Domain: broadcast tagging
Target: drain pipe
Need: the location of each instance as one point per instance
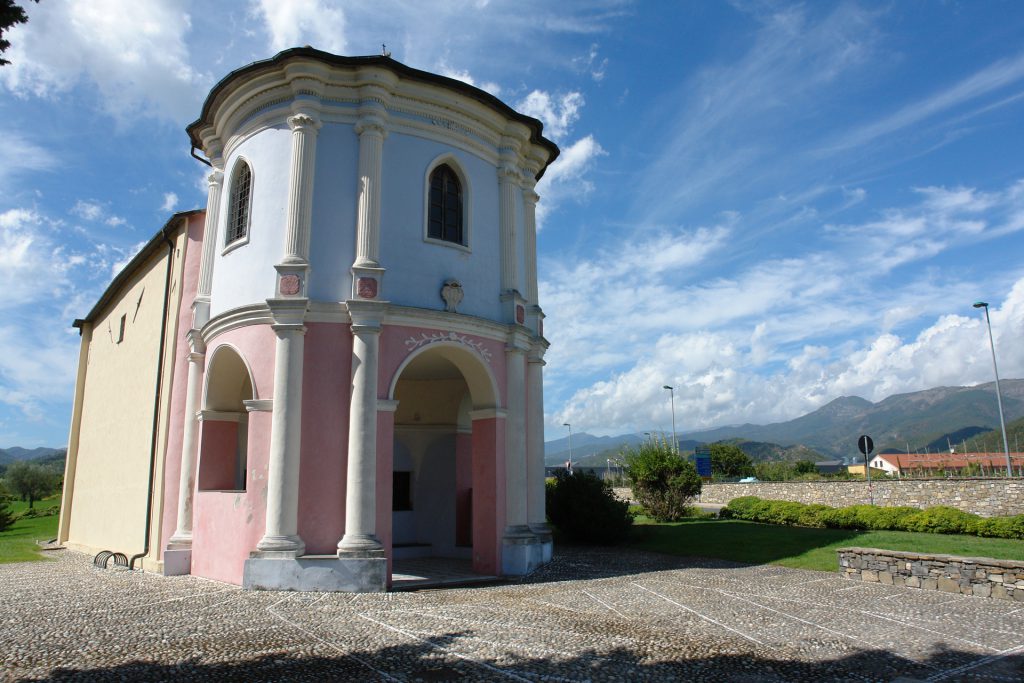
(156, 399)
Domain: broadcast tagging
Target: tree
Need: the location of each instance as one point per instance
(663, 483)
(727, 460)
(583, 507)
(805, 467)
(30, 481)
(10, 15)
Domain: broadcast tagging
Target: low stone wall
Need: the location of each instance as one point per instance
(988, 497)
(980, 576)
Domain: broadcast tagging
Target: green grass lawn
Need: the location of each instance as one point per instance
(18, 543)
(752, 543)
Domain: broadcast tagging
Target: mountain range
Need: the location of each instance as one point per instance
(911, 421)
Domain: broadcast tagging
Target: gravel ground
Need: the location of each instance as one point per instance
(591, 615)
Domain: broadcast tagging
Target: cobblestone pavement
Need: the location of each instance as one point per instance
(591, 615)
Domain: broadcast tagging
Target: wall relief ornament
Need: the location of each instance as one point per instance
(290, 285)
(452, 294)
(366, 288)
(413, 343)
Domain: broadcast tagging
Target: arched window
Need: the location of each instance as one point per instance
(238, 207)
(444, 220)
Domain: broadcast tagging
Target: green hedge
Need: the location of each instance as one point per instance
(935, 520)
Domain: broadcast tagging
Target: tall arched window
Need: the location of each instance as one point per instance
(238, 208)
(444, 221)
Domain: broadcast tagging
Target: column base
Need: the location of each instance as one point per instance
(280, 547)
(359, 543)
(520, 554)
(317, 573)
(177, 561)
(543, 533)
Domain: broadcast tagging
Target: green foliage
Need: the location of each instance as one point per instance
(583, 507)
(30, 481)
(935, 520)
(663, 482)
(727, 460)
(33, 513)
(805, 467)
(6, 516)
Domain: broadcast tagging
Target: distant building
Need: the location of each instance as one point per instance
(337, 363)
(829, 466)
(900, 464)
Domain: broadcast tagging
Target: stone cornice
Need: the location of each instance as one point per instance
(243, 316)
(259, 405)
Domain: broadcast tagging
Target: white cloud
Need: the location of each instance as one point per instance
(94, 212)
(21, 155)
(568, 176)
(300, 22)
(558, 113)
(445, 69)
(133, 52)
(170, 201)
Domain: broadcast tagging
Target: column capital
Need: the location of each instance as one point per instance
(368, 315)
(196, 345)
(259, 405)
(385, 405)
(216, 178)
(304, 122)
(373, 124)
(288, 311)
(488, 414)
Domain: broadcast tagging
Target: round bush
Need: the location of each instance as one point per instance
(663, 482)
(583, 508)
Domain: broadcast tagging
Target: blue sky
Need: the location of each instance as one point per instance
(766, 205)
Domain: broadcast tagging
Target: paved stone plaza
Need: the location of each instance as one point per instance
(597, 615)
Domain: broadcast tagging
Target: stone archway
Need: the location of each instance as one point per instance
(448, 468)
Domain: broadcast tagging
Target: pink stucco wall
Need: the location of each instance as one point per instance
(463, 489)
(179, 381)
(488, 494)
(227, 525)
(326, 385)
(218, 455)
(385, 491)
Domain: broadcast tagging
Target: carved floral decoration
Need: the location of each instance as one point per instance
(290, 285)
(366, 288)
(413, 343)
(452, 294)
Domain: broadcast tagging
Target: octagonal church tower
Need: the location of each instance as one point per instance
(366, 344)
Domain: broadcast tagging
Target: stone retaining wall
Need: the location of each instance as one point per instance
(980, 576)
(988, 497)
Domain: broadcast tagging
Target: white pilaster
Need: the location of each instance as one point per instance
(530, 199)
(508, 178)
(281, 535)
(182, 537)
(304, 127)
(201, 305)
(361, 489)
(536, 513)
(372, 131)
(515, 441)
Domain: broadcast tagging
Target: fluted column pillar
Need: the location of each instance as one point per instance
(536, 513)
(361, 487)
(371, 131)
(508, 178)
(300, 189)
(530, 199)
(515, 442)
(281, 534)
(182, 536)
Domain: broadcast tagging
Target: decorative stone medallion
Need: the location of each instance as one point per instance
(452, 294)
(290, 285)
(520, 314)
(366, 288)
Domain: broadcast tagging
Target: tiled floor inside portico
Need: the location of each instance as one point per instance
(434, 572)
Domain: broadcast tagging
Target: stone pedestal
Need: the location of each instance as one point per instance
(317, 573)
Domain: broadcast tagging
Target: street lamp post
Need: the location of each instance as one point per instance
(566, 424)
(999, 398)
(672, 398)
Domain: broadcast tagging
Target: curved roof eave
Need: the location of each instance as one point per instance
(535, 126)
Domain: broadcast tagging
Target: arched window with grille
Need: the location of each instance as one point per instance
(445, 209)
(239, 204)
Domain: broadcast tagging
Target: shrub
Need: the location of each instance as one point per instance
(663, 482)
(1000, 527)
(583, 507)
(942, 520)
(32, 513)
(6, 517)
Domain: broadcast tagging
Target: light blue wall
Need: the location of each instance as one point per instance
(333, 239)
(246, 274)
(416, 269)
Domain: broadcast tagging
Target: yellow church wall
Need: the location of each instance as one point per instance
(110, 441)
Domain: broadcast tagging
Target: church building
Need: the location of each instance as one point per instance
(338, 363)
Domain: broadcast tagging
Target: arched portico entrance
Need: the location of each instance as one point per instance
(447, 478)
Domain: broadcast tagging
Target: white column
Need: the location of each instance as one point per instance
(300, 190)
(536, 514)
(371, 131)
(281, 534)
(530, 199)
(508, 178)
(515, 442)
(201, 307)
(361, 487)
(182, 536)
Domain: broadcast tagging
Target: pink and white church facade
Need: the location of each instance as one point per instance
(360, 359)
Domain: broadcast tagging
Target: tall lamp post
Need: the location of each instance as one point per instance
(672, 398)
(999, 398)
(566, 424)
